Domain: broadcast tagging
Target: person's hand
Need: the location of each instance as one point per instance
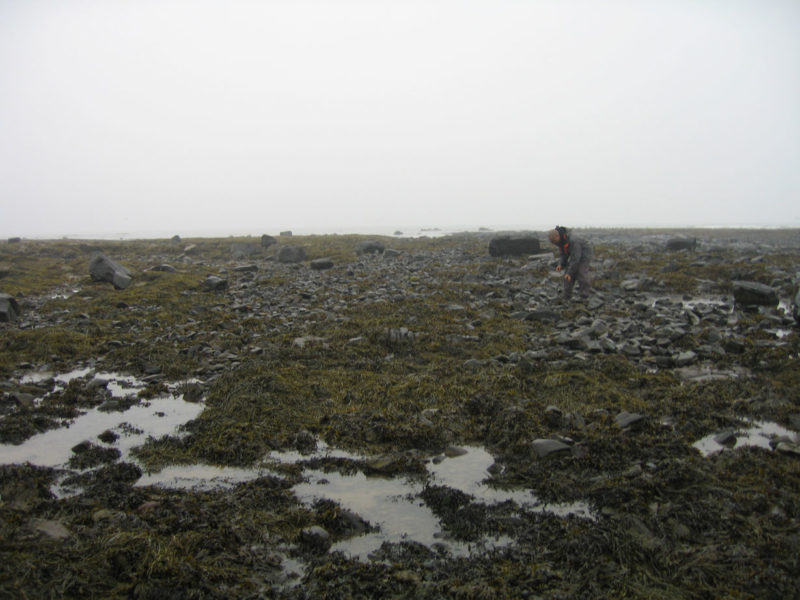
(558, 268)
(567, 277)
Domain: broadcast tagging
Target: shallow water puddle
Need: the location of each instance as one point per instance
(155, 417)
(758, 435)
(393, 504)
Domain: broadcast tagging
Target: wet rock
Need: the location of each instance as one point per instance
(788, 448)
(9, 309)
(291, 254)
(321, 264)
(514, 246)
(626, 419)
(453, 451)
(315, 538)
(546, 447)
(102, 268)
(752, 293)
(726, 438)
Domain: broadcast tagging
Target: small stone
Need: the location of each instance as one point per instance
(546, 447)
(626, 419)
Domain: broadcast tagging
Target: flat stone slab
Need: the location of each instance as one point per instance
(547, 447)
(626, 419)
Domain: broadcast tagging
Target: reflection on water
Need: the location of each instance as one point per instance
(759, 434)
(157, 417)
(392, 504)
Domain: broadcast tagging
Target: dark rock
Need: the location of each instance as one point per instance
(626, 419)
(14, 240)
(752, 293)
(321, 264)
(681, 244)
(164, 268)
(291, 254)
(267, 241)
(796, 305)
(9, 309)
(102, 268)
(546, 447)
(508, 246)
(370, 247)
(726, 437)
(176, 239)
(285, 233)
(315, 538)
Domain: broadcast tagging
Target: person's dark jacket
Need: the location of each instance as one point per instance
(572, 252)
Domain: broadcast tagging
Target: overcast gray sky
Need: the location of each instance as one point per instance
(251, 117)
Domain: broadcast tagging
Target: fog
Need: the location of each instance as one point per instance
(170, 117)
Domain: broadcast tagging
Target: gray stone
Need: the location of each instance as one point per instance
(626, 419)
(164, 268)
(514, 246)
(102, 268)
(321, 264)
(242, 249)
(213, 283)
(267, 241)
(752, 293)
(9, 309)
(52, 529)
(291, 254)
(546, 447)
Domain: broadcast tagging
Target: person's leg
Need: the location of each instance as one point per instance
(568, 285)
(584, 280)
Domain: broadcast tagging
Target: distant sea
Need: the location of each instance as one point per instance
(376, 230)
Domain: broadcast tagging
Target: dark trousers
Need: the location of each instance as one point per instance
(582, 278)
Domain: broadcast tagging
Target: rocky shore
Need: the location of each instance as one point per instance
(353, 417)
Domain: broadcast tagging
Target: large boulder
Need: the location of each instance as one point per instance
(102, 268)
(267, 241)
(9, 309)
(514, 246)
(291, 254)
(752, 293)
